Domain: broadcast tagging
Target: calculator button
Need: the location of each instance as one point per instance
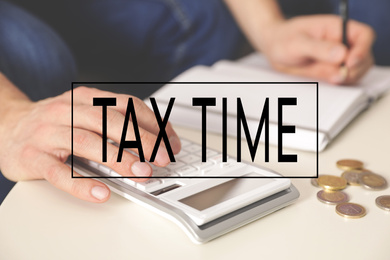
(148, 184)
(165, 174)
(232, 168)
(168, 174)
(210, 153)
(184, 143)
(128, 181)
(192, 148)
(203, 165)
(154, 167)
(190, 159)
(186, 170)
(181, 154)
(229, 164)
(159, 171)
(211, 171)
(216, 159)
(175, 165)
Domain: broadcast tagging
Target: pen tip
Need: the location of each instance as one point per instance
(343, 72)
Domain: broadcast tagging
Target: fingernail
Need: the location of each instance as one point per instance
(341, 76)
(162, 157)
(100, 192)
(336, 53)
(141, 169)
(175, 144)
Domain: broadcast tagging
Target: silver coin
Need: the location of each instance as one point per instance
(350, 210)
(383, 202)
(352, 177)
(332, 197)
(314, 182)
(372, 181)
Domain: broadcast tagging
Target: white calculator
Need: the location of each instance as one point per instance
(206, 199)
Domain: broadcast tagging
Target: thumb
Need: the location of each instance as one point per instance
(321, 50)
(59, 175)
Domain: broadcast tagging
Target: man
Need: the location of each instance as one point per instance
(144, 40)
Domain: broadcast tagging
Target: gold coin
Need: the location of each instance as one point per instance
(372, 181)
(350, 210)
(349, 164)
(332, 197)
(383, 202)
(352, 176)
(331, 182)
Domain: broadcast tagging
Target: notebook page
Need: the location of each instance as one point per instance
(334, 101)
(338, 105)
(374, 83)
(252, 96)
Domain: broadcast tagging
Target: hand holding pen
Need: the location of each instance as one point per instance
(358, 56)
(312, 45)
(344, 16)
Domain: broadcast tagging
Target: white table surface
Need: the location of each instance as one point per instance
(38, 221)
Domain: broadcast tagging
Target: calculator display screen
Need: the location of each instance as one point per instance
(223, 192)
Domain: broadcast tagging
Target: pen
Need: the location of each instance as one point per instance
(344, 16)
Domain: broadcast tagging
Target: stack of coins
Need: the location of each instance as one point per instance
(355, 175)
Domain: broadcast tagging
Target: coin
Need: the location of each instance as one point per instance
(372, 181)
(314, 182)
(331, 182)
(350, 210)
(352, 176)
(332, 197)
(383, 202)
(349, 164)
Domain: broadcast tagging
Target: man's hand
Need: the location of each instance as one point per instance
(35, 140)
(312, 46)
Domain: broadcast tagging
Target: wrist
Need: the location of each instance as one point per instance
(10, 95)
(12, 101)
(266, 33)
(256, 19)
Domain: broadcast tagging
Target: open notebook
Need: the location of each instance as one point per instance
(338, 105)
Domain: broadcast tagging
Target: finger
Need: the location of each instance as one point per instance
(90, 118)
(149, 122)
(360, 36)
(322, 71)
(145, 116)
(318, 49)
(89, 145)
(357, 72)
(361, 39)
(146, 119)
(59, 175)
